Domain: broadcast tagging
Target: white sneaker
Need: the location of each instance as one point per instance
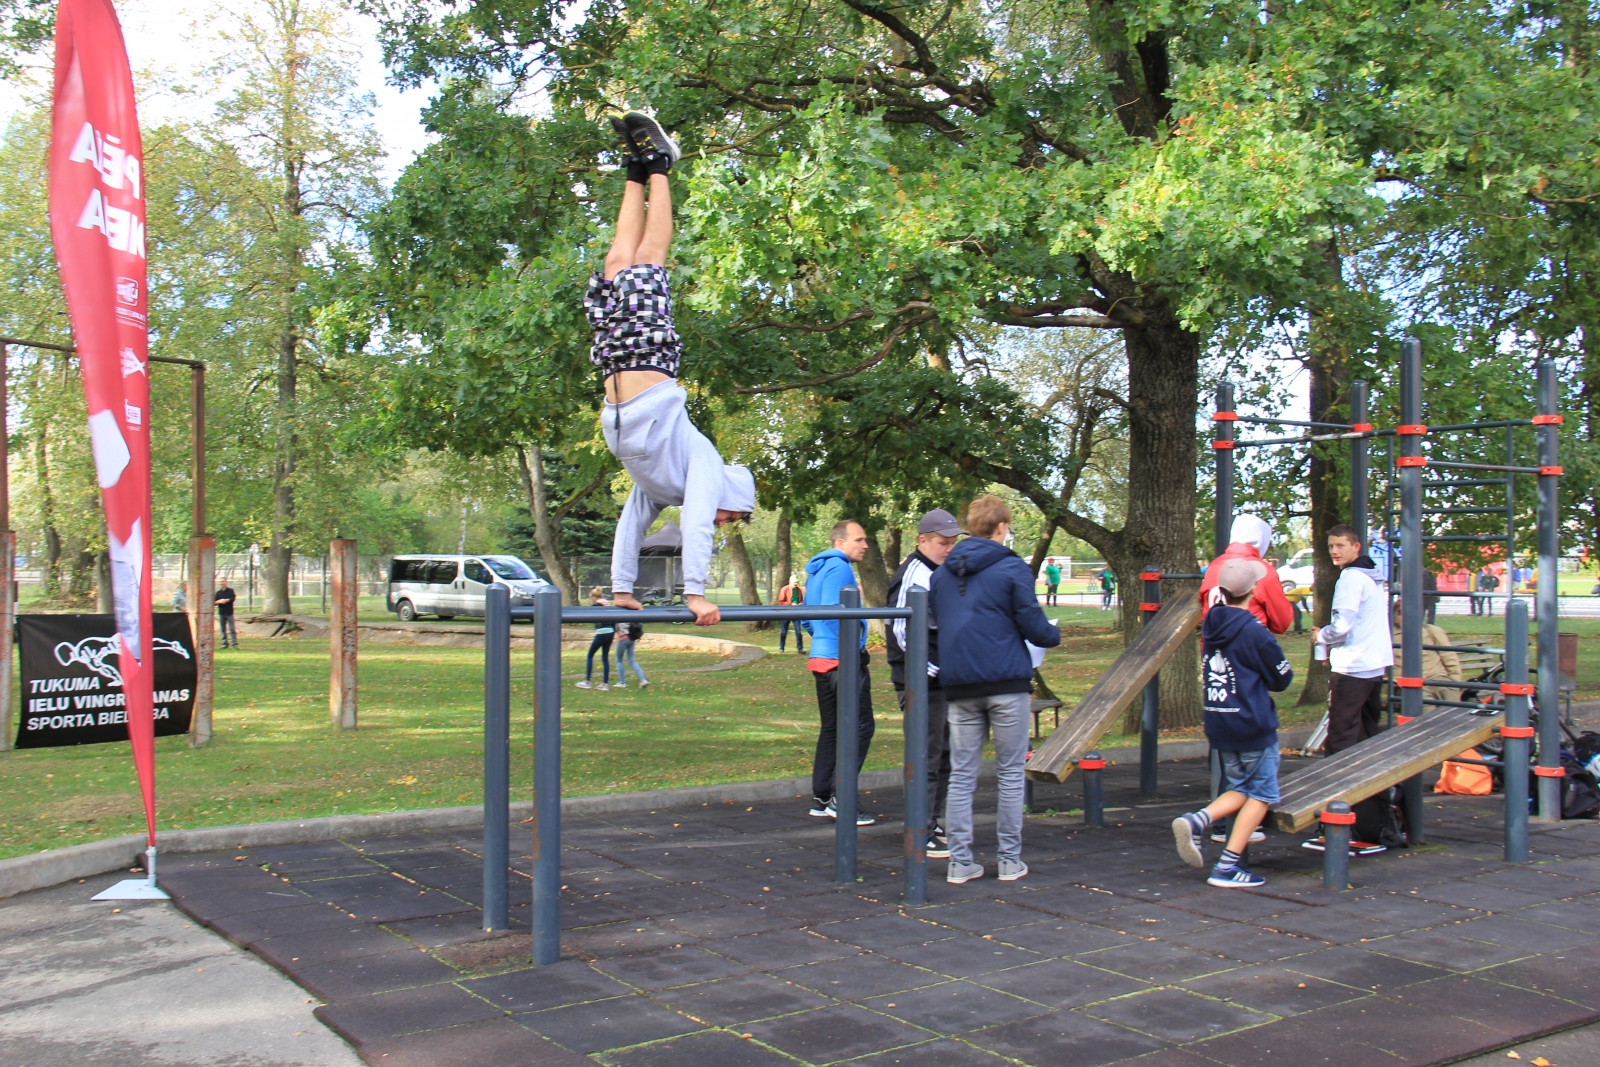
(603, 687)
(622, 685)
(586, 684)
(644, 683)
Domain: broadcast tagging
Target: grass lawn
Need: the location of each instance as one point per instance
(420, 741)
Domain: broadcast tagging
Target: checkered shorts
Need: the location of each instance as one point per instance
(632, 319)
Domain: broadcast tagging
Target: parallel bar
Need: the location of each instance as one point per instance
(1261, 421)
(1507, 468)
(731, 613)
(496, 757)
(1467, 538)
(916, 757)
(1311, 440)
(1465, 483)
(1175, 576)
(1546, 602)
(547, 778)
(1465, 648)
(1411, 556)
(847, 751)
(1515, 753)
(1465, 511)
(1358, 461)
(1150, 713)
(1493, 425)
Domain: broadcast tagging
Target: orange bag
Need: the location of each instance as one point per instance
(1465, 779)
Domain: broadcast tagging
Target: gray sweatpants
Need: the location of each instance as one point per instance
(1006, 717)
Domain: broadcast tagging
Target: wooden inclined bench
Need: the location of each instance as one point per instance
(1379, 762)
(1082, 727)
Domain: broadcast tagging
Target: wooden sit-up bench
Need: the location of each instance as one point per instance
(1379, 762)
(1083, 726)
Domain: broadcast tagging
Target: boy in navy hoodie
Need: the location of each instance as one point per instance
(1243, 668)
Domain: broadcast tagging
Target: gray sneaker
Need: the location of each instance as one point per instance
(1010, 870)
(963, 872)
(1189, 846)
(649, 135)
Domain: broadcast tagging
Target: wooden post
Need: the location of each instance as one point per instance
(342, 634)
(202, 618)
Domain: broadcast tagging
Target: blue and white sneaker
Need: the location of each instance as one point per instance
(1191, 847)
(1236, 877)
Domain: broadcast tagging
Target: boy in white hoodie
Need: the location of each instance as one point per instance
(1356, 643)
(645, 419)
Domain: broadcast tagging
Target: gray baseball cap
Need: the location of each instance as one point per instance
(941, 522)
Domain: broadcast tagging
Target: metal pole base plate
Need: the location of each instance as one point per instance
(133, 889)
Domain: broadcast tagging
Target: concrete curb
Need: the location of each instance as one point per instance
(52, 867)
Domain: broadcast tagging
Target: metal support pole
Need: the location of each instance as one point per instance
(342, 635)
(847, 751)
(1516, 733)
(496, 756)
(1094, 795)
(1545, 607)
(916, 735)
(547, 777)
(1412, 551)
(1223, 447)
(8, 565)
(1358, 459)
(1337, 820)
(1150, 715)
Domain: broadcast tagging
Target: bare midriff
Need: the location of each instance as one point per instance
(627, 384)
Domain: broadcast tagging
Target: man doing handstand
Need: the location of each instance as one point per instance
(645, 419)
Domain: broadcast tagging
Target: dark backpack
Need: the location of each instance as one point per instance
(1380, 820)
(635, 631)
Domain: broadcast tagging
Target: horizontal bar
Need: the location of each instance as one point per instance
(1291, 422)
(1469, 538)
(1465, 483)
(1465, 511)
(1479, 425)
(739, 613)
(1451, 683)
(1311, 440)
(71, 351)
(1482, 467)
(1478, 762)
(1464, 648)
(1181, 577)
(1483, 709)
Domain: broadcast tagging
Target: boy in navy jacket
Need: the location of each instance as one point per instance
(1243, 668)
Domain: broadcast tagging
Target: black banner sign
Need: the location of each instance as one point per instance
(72, 690)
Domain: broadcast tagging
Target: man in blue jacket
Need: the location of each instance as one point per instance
(827, 573)
(984, 600)
(1243, 668)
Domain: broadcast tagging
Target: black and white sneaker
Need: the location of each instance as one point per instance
(649, 136)
(821, 808)
(624, 135)
(938, 845)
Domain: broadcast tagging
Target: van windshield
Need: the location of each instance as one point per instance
(509, 567)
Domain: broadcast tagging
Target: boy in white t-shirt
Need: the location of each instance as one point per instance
(1357, 644)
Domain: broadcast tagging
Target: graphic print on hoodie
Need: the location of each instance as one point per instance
(1243, 668)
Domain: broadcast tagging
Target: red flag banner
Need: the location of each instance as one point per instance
(97, 218)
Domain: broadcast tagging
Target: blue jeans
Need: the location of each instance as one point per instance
(603, 643)
(1255, 774)
(228, 627)
(1006, 717)
(625, 656)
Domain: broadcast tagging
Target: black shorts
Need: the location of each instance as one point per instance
(631, 316)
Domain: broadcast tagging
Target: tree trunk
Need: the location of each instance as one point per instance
(874, 577)
(744, 573)
(546, 528)
(1041, 547)
(783, 566)
(1163, 383)
(105, 602)
(895, 551)
(280, 549)
(47, 513)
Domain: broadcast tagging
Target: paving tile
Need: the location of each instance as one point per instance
(979, 916)
(1408, 1032)
(708, 1048)
(741, 999)
(1272, 987)
(1060, 983)
(221, 903)
(942, 1053)
(1570, 914)
(346, 941)
(1061, 937)
(729, 920)
(248, 927)
(623, 939)
(955, 1007)
(1517, 933)
(310, 850)
(1065, 1039)
(781, 948)
(674, 967)
(1495, 1005)
(1362, 969)
(343, 979)
(1480, 895)
(555, 986)
(1175, 1015)
(1170, 1057)
(837, 906)
(1446, 948)
(1327, 924)
(1403, 912)
(885, 931)
(407, 1011)
(1074, 902)
(837, 1033)
(858, 977)
(1240, 907)
(1156, 961)
(605, 1024)
(1544, 884)
(1571, 980)
(1248, 944)
(437, 931)
(1154, 920)
(1286, 1042)
(963, 957)
(493, 1043)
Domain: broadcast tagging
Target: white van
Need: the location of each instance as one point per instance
(447, 586)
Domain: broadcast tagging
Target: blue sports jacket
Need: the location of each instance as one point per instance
(828, 572)
(1244, 666)
(984, 600)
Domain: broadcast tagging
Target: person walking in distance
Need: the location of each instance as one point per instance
(626, 643)
(827, 574)
(1108, 587)
(936, 536)
(1243, 668)
(988, 612)
(223, 599)
(791, 596)
(1052, 582)
(604, 633)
